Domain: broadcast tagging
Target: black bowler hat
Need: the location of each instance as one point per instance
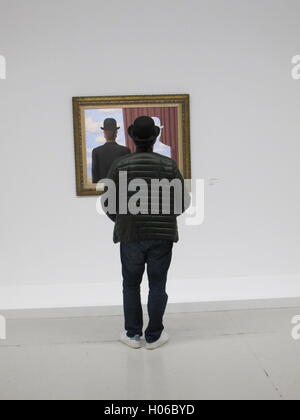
(110, 124)
(144, 128)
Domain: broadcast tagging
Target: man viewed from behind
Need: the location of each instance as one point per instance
(146, 237)
(104, 156)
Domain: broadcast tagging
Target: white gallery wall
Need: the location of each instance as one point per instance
(234, 58)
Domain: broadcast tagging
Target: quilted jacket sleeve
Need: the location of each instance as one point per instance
(186, 198)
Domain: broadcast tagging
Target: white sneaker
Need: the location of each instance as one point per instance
(133, 342)
(162, 340)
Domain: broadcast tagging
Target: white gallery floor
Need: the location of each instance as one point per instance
(211, 355)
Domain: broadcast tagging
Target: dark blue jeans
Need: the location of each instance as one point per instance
(157, 254)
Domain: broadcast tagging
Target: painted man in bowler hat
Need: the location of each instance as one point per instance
(145, 238)
(104, 156)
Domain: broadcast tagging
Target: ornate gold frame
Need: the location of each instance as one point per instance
(81, 103)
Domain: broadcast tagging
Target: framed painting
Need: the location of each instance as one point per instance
(170, 112)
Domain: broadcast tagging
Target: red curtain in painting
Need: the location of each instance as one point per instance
(168, 119)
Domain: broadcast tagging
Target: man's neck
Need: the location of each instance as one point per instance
(110, 141)
(144, 150)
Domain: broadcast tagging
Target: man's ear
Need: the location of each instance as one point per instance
(129, 130)
(157, 131)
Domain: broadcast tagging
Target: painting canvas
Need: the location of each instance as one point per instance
(169, 112)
